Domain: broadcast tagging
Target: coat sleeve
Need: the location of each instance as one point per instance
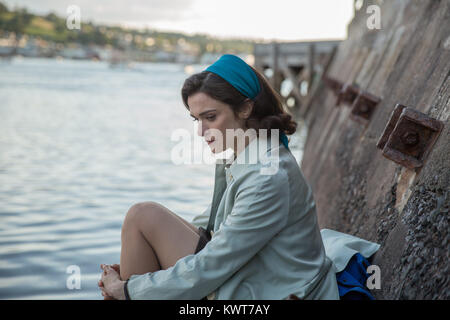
(260, 211)
(202, 219)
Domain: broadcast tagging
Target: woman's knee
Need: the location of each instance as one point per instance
(143, 213)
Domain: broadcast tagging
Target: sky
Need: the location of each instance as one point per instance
(286, 20)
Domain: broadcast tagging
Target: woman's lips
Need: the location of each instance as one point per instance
(209, 142)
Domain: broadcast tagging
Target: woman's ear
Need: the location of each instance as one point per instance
(246, 109)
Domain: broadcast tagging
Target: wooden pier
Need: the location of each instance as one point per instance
(300, 63)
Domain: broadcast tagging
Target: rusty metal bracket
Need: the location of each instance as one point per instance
(409, 136)
(348, 94)
(363, 107)
(333, 84)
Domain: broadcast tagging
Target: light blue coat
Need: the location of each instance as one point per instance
(266, 242)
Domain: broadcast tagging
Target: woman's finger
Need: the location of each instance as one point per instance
(104, 293)
(107, 296)
(110, 270)
(104, 266)
(116, 267)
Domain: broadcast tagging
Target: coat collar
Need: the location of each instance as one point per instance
(251, 155)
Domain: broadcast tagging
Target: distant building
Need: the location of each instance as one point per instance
(7, 47)
(164, 56)
(30, 49)
(79, 52)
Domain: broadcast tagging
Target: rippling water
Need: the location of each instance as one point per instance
(79, 144)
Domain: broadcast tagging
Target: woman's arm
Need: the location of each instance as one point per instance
(260, 211)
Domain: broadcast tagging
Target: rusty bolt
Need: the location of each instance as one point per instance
(410, 138)
(364, 108)
(405, 130)
(348, 94)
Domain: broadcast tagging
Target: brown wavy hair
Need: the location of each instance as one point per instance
(267, 112)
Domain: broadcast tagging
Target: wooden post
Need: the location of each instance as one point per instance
(311, 94)
(288, 74)
(276, 83)
(312, 62)
(258, 58)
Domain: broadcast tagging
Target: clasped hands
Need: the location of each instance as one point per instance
(110, 283)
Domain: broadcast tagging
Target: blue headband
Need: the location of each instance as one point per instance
(238, 73)
(241, 76)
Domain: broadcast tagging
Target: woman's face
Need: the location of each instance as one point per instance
(214, 114)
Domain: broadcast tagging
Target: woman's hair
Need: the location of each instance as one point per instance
(267, 112)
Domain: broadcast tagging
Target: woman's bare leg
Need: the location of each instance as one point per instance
(154, 238)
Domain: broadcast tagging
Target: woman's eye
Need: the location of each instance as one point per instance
(210, 118)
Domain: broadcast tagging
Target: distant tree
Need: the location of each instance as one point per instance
(3, 8)
(60, 27)
(59, 24)
(52, 17)
(98, 38)
(19, 22)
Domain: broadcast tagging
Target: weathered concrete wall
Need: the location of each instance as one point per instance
(357, 189)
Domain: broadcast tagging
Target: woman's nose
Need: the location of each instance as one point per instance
(201, 128)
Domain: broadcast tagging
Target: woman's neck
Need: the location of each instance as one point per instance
(247, 137)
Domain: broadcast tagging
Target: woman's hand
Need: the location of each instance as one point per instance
(111, 285)
(100, 282)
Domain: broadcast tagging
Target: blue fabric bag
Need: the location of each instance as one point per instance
(352, 280)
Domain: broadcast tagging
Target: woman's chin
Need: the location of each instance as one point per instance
(213, 149)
